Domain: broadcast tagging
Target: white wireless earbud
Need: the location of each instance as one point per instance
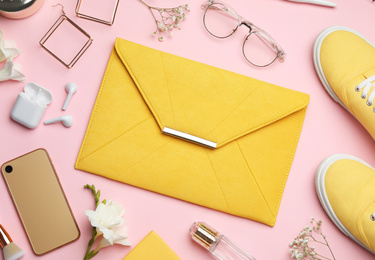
(71, 88)
(66, 120)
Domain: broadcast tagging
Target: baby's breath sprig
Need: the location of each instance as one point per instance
(167, 19)
(300, 248)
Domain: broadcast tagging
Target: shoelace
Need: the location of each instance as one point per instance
(367, 85)
(373, 217)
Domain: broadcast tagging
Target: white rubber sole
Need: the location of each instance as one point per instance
(322, 194)
(316, 57)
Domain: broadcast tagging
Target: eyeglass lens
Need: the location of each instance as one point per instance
(220, 21)
(257, 49)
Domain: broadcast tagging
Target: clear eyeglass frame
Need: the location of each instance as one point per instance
(263, 36)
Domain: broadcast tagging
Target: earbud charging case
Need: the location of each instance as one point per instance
(30, 105)
(18, 9)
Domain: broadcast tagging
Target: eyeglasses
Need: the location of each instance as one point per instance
(258, 47)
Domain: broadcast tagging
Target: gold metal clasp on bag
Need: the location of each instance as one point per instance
(189, 138)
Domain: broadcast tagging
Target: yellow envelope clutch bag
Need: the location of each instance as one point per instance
(194, 132)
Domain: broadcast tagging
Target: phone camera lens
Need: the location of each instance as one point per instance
(8, 169)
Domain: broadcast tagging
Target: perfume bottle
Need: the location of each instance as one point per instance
(218, 244)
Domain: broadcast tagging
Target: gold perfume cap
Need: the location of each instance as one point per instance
(204, 235)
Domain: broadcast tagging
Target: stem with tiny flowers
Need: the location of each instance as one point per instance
(90, 254)
(168, 20)
(301, 248)
(319, 231)
(150, 8)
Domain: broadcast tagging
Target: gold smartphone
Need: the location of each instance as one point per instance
(40, 201)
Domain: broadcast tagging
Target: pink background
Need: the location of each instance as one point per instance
(328, 128)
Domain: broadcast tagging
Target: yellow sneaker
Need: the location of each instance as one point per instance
(345, 63)
(345, 186)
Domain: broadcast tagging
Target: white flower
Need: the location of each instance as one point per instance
(167, 19)
(10, 71)
(300, 245)
(108, 224)
(116, 238)
(161, 25)
(106, 218)
(8, 51)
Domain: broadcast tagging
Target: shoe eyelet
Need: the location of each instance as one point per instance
(372, 217)
(363, 96)
(369, 103)
(357, 89)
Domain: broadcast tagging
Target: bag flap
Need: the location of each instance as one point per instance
(202, 100)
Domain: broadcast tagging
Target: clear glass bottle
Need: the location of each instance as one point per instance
(219, 245)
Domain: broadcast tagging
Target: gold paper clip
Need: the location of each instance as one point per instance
(95, 19)
(54, 27)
